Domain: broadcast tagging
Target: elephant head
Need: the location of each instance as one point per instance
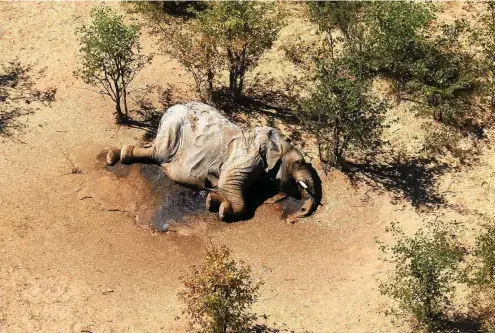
(292, 174)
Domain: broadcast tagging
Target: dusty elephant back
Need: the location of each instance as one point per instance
(194, 140)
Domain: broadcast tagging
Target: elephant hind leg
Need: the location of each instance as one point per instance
(130, 154)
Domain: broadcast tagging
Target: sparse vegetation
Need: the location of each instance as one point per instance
(110, 57)
(482, 279)
(398, 42)
(197, 50)
(425, 269)
(219, 293)
(354, 62)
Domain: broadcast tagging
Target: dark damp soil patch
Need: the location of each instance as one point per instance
(167, 203)
(290, 206)
(120, 170)
(175, 203)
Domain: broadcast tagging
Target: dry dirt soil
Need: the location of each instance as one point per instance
(74, 257)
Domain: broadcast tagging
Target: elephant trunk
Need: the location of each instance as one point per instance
(310, 192)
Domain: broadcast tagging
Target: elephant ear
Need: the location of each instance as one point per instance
(276, 147)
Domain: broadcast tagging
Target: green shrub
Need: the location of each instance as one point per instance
(481, 278)
(425, 268)
(448, 80)
(341, 114)
(484, 254)
(219, 293)
(242, 31)
(396, 40)
(483, 39)
(110, 56)
(226, 35)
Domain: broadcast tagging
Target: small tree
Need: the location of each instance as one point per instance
(485, 255)
(482, 278)
(219, 293)
(110, 56)
(448, 79)
(197, 50)
(342, 114)
(242, 31)
(425, 268)
(344, 26)
(484, 39)
(397, 37)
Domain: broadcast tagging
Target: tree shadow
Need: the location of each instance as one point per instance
(269, 105)
(147, 115)
(262, 328)
(461, 324)
(17, 92)
(412, 178)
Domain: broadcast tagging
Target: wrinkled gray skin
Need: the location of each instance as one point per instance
(198, 147)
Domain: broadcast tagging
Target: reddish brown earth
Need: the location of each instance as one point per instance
(75, 259)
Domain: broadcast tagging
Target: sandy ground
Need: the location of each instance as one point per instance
(74, 259)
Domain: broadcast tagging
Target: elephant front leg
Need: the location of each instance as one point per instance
(213, 202)
(233, 210)
(226, 211)
(130, 154)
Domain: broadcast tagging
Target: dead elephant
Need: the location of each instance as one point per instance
(199, 148)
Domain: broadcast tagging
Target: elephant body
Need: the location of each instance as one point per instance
(198, 147)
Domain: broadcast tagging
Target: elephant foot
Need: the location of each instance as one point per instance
(126, 154)
(113, 156)
(225, 211)
(211, 204)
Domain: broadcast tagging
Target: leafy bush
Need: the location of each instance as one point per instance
(481, 278)
(345, 28)
(197, 50)
(396, 40)
(448, 80)
(484, 41)
(110, 56)
(484, 254)
(243, 31)
(340, 111)
(425, 269)
(231, 35)
(219, 293)
(341, 114)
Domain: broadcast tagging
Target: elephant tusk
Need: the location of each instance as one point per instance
(303, 184)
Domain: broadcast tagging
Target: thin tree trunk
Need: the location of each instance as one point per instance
(336, 143)
(232, 80)
(124, 95)
(240, 86)
(399, 93)
(118, 107)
